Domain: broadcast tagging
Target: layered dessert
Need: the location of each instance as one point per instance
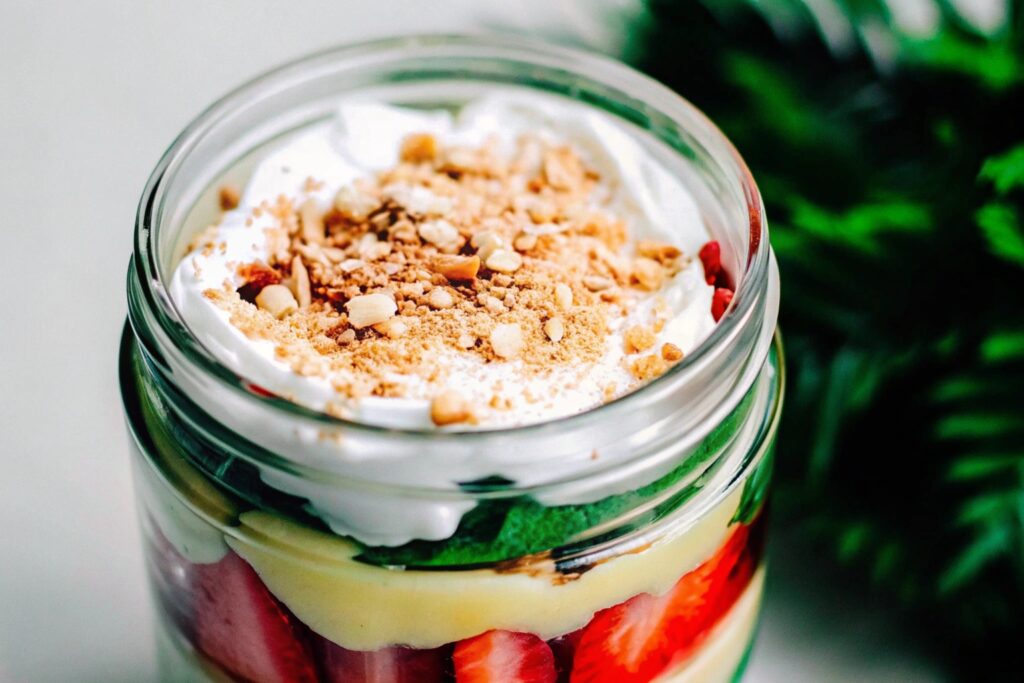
(508, 264)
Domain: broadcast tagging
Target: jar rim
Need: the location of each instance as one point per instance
(150, 303)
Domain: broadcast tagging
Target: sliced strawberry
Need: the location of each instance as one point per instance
(504, 657)
(387, 665)
(711, 257)
(244, 629)
(719, 302)
(641, 638)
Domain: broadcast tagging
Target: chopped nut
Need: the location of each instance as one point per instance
(354, 203)
(456, 267)
(300, 278)
(525, 241)
(440, 298)
(486, 243)
(554, 328)
(639, 338)
(312, 220)
(504, 261)
(351, 265)
(507, 340)
(419, 147)
(448, 408)
(440, 233)
(493, 304)
(659, 251)
(370, 309)
(648, 273)
(346, 337)
(392, 328)
(562, 168)
(563, 296)
(671, 353)
(277, 300)
(596, 283)
(466, 341)
(229, 196)
(648, 367)
(371, 248)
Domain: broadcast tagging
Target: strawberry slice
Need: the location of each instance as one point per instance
(719, 302)
(711, 258)
(641, 638)
(504, 657)
(387, 665)
(244, 629)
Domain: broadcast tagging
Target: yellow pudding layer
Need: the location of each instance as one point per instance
(362, 607)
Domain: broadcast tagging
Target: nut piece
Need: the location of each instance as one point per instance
(370, 309)
(448, 408)
(354, 204)
(507, 340)
(671, 353)
(440, 297)
(486, 243)
(639, 338)
(392, 328)
(456, 267)
(525, 241)
(419, 147)
(440, 233)
(277, 300)
(504, 261)
(300, 279)
(563, 296)
(229, 196)
(313, 230)
(554, 329)
(661, 252)
(648, 273)
(597, 283)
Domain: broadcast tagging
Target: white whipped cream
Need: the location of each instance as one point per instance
(365, 137)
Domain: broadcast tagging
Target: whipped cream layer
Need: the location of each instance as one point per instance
(366, 138)
(363, 139)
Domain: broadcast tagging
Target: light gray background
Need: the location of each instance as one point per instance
(90, 95)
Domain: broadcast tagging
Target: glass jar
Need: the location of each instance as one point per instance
(632, 549)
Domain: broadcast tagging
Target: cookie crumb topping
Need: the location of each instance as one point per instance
(500, 258)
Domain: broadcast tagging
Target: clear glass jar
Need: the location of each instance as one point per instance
(632, 553)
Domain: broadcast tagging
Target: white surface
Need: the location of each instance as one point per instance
(92, 92)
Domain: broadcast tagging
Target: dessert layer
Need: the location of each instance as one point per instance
(520, 260)
(362, 607)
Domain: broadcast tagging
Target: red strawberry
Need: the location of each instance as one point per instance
(719, 302)
(643, 637)
(244, 629)
(504, 657)
(711, 256)
(387, 665)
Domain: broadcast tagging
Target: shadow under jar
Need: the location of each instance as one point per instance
(644, 564)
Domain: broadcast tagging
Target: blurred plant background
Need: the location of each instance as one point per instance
(888, 142)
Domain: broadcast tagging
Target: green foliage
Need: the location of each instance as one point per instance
(891, 160)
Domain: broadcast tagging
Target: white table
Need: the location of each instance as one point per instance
(92, 92)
